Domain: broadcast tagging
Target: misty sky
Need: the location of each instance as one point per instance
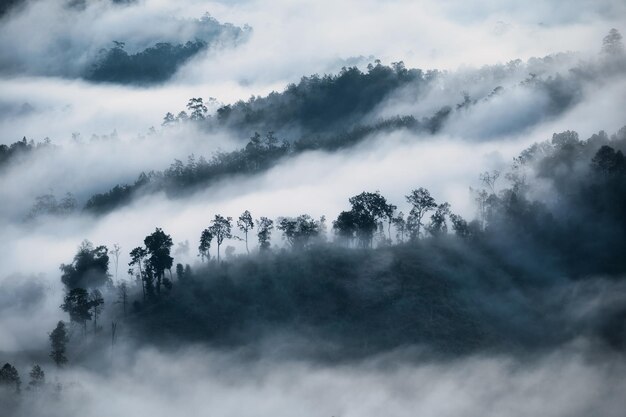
(46, 47)
(287, 41)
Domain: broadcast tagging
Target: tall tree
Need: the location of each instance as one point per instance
(78, 305)
(264, 232)
(137, 255)
(58, 342)
(122, 295)
(158, 246)
(205, 244)
(422, 202)
(95, 303)
(115, 252)
(400, 225)
(221, 228)
(245, 224)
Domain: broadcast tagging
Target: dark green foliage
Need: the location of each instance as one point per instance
(89, 269)
(159, 62)
(300, 231)
(154, 64)
(158, 247)
(421, 203)
(37, 378)
(19, 149)
(95, 301)
(180, 272)
(367, 213)
(78, 305)
(179, 179)
(264, 232)
(58, 342)
(205, 244)
(10, 378)
(320, 104)
(220, 228)
(507, 285)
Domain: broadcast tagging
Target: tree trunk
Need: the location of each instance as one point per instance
(143, 283)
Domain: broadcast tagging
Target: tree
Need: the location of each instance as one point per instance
(168, 120)
(245, 224)
(115, 252)
(400, 225)
(89, 268)
(368, 209)
(95, 303)
(422, 202)
(608, 161)
(490, 179)
(182, 116)
(122, 295)
(180, 272)
(58, 342)
(37, 378)
(205, 244)
(612, 43)
(438, 225)
(460, 226)
(221, 228)
(264, 232)
(345, 226)
(77, 304)
(197, 109)
(9, 377)
(299, 231)
(158, 246)
(136, 256)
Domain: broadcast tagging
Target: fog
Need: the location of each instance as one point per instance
(207, 383)
(509, 74)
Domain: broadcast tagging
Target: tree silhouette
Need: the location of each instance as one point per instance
(78, 305)
(612, 43)
(89, 268)
(421, 202)
(221, 228)
(58, 342)
(345, 226)
(438, 225)
(37, 378)
(264, 232)
(158, 246)
(400, 224)
(122, 295)
(95, 302)
(299, 231)
(197, 109)
(115, 252)
(9, 377)
(245, 224)
(137, 255)
(205, 244)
